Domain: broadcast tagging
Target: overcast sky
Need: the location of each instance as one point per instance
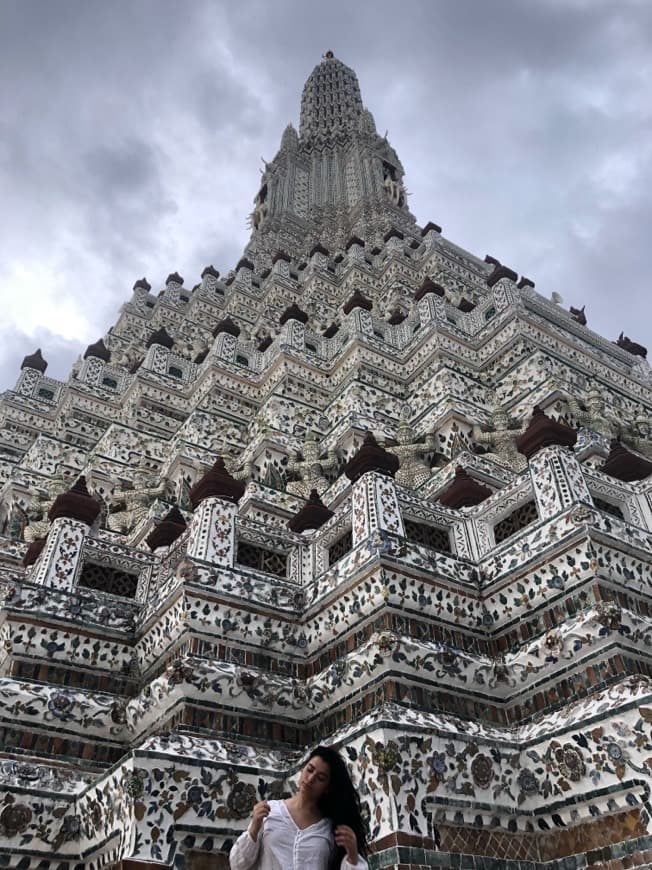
(131, 136)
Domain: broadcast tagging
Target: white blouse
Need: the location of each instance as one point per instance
(281, 845)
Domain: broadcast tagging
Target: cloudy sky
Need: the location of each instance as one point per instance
(131, 137)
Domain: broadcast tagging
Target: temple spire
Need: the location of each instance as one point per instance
(335, 179)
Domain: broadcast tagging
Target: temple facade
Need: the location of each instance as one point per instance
(365, 489)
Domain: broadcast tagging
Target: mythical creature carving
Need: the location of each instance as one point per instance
(501, 439)
(37, 519)
(395, 191)
(125, 356)
(639, 434)
(630, 346)
(246, 472)
(258, 215)
(413, 471)
(311, 468)
(136, 499)
(37, 513)
(192, 347)
(592, 414)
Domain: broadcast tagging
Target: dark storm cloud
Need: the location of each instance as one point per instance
(131, 136)
(127, 169)
(225, 108)
(114, 123)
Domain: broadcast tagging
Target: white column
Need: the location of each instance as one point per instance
(212, 532)
(557, 480)
(59, 562)
(374, 507)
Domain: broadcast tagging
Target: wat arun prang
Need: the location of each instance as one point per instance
(365, 489)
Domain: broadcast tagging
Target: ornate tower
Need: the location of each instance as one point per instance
(365, 489)
(334, 180)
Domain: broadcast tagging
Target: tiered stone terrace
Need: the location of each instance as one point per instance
(477, 644)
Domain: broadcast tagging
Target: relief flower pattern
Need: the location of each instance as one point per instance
(15, 818)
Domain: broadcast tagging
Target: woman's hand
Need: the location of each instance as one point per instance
(345, 838)
(261, 811)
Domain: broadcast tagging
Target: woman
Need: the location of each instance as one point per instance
(319, 828)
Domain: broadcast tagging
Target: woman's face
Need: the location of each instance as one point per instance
(315, 778)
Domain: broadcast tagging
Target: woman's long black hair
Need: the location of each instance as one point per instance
(341, 803)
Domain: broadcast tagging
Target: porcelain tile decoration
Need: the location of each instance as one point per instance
(364, 489)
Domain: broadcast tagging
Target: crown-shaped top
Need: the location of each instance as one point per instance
(463, 491)
(543, 431)
(625, 465)
(331, 103)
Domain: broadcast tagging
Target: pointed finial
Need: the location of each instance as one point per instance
(543, 431)
(99, 350)
(167, 530)
(463, 491)
(216, 483)
(34, 361)
(371, 457)
(312, 515)
(76, 504)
